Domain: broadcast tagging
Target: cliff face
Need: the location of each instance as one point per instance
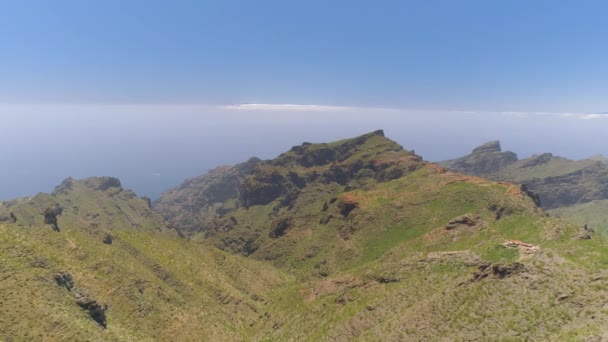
(576, 187)
(558, 182)
(485, 160)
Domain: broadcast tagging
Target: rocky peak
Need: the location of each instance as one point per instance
(351, 163)
(310, 155)
(92, 183)
(538, 159)
(492, 146)
(102, 183)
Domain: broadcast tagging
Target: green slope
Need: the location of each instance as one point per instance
(571, 189)
(156, 285)
(594, 214)
(353, 240)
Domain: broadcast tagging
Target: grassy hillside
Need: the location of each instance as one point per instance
(594, 214)
(415, 257)
(353, 240)
(156, 286)
(571, 189)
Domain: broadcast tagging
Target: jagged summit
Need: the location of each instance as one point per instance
(95, 203)
(92, 183)
(576, 187)
(492, 146)
(484, 160)
(350, 162)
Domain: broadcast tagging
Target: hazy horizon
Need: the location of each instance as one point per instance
(153, 148)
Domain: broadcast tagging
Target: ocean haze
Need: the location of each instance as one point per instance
(152, 148)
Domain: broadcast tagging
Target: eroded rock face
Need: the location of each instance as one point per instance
(347, 206)
(537, 160)
(103, 183)
(64, 280)
(50, 217)
(468, 220)
(492, 146)
(108, 239)
(95, 310)
(485, 160)
(280, 227)
(497, 270)
(582, 186)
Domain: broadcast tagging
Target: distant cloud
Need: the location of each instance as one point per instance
(582, 116)
(291, 107)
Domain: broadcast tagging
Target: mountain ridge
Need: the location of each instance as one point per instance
(358, 239)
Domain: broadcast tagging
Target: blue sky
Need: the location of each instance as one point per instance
(465, 55)
(156, 91)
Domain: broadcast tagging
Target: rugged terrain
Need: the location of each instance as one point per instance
(352, 240)
(573, 189)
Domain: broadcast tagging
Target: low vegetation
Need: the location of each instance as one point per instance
(353, 240)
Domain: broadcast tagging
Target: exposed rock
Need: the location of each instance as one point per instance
(582, 186)
(326, 219)
(148, 201)
(107, 239)
(64, 280)
(500, 211)
(279, 227)
(585, 233)
(347, 205)
(537, 160)
(485, 160)
(95, 310)
(102, 183)
(65, 186)
(528, 248)
(351, 163)
(497, 270)
(50, 217)
(535, 197)
(492, 146)
(468, 220)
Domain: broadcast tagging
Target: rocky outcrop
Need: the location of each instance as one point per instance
(96, 204)
(487, 270)
(193, 205)
(537, 160)
(50, 217)
(64, 280)
(103, 183)
(582, 186)
(552, 182)
(585, 233)
(96, 311)
(107, 239)
(498, 270)
(184, 205)
(347, 205)
(484, 160)
(468, 220)
(280, 227)
(489, 147)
